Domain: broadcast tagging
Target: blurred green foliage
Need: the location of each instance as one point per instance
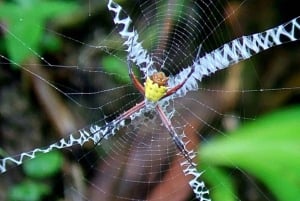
(44, 165)
(115, 66)
(268, 149)
(29, 191)
(41, 168)
(25, 22)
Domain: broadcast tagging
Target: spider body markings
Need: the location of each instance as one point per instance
(156, 86)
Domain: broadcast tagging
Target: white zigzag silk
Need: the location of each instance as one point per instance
(230, 53)
(94, 133)
(136, 53)
(235, 51)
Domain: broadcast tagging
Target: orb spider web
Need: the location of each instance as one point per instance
(157, 92)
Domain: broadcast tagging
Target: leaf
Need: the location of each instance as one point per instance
(25, 24)
(44, 165)
(113, 65)
(223, 185)
(268, 148)
(29, 191)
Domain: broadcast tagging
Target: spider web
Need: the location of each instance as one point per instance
(141, 161)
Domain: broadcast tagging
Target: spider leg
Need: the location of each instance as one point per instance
(174, 89)
(131, 111)
(176, 138)
(134, 80)
(189, 167)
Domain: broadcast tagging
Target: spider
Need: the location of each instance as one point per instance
(155, 89)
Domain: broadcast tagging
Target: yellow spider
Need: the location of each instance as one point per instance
(155, 89)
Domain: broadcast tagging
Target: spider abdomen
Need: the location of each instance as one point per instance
(153, 90)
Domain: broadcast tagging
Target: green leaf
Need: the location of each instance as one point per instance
(268, 148)
(25, 23)
(28, 191)
(44, 165)
(51, 43)
(115, 66)
(223, 185)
